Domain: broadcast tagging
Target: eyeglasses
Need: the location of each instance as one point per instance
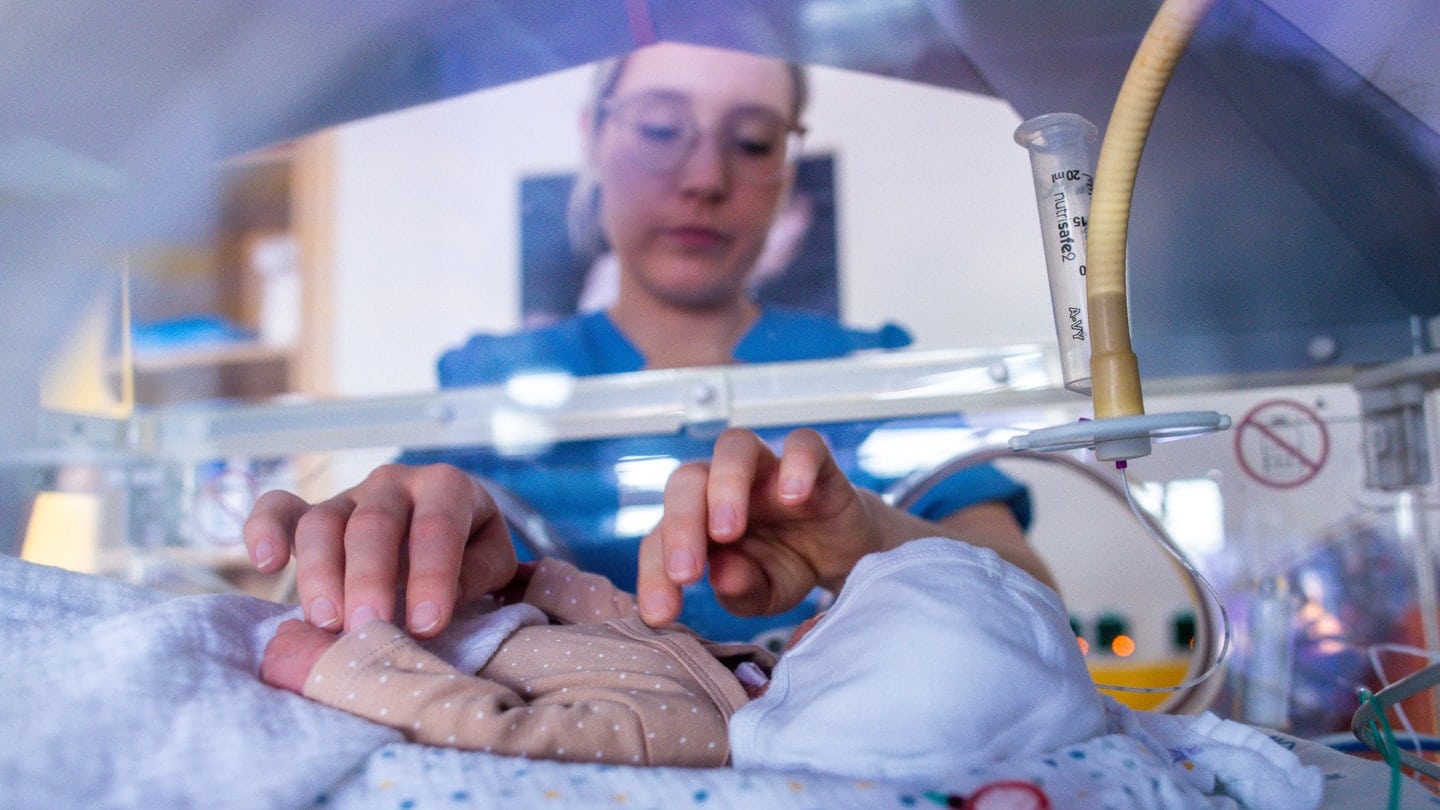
(660, 131)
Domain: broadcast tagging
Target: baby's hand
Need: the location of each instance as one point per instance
(292, 653)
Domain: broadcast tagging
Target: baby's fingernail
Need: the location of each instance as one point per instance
(722, 520)
(791, 488)
(680, 563)
(264, 554)
(323, 613)
(424, 617)
(361, 615)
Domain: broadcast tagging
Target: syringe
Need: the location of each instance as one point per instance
(1059, 146)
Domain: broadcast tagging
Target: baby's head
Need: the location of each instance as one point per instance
(936, 657)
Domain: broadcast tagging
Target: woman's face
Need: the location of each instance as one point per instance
(688, 235)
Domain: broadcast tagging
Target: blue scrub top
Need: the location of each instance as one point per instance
(583, 487)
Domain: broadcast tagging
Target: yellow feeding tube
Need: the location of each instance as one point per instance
(1114, 370)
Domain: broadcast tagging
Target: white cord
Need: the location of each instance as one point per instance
(1373, 653)
(1208, 591)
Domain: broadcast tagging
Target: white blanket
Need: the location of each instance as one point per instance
(118, 697)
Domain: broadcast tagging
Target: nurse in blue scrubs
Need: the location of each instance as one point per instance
(690, 154)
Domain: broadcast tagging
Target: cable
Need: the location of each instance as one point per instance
(1373, 653)
(1208, 590)
(1383, 740)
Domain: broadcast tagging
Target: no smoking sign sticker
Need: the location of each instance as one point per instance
(1282, 443)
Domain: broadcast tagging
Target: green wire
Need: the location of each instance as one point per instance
(1385, 742)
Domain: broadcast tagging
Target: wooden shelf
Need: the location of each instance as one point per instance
(251, 276)
(184, 359)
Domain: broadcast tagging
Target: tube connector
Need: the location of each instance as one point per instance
(1121, 438)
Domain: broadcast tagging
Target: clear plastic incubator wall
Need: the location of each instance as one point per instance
(282, 333)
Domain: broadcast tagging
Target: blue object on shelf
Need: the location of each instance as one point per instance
(188, 332)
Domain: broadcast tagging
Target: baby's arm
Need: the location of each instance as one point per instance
(383, 675)
(573, 596)
(556, 587)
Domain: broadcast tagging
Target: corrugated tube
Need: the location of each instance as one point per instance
(1115, 373)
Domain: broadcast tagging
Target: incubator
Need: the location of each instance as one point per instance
(1295, 295)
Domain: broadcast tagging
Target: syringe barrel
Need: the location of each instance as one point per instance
(1060, 164)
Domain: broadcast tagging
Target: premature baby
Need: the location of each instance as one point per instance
(936, 656)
